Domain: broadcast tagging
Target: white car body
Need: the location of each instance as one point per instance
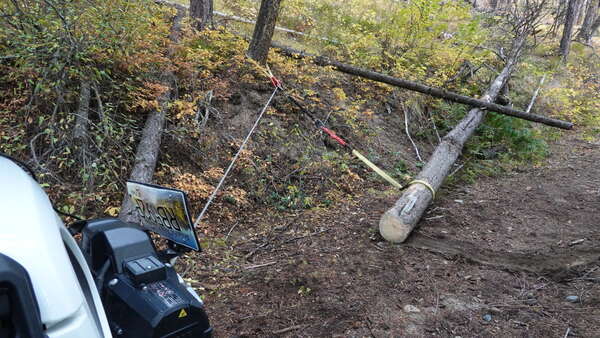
(32, 234)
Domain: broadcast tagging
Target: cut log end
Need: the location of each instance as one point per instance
(392, 228)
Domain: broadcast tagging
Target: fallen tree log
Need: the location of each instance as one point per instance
(417, 87)
(277, 28)
(397, 223)
(148, 148)
(410, 85)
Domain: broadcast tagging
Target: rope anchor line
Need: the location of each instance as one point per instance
(235, 157)
(319, 125)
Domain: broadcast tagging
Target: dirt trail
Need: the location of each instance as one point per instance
(541, 220)
(497, 258)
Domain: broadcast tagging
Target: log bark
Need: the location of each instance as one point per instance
(397, 223)
(263, 30)
(417, 87)
(201, 12)
(148, 148)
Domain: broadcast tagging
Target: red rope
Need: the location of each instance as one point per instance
(334, 136)
(275, 82)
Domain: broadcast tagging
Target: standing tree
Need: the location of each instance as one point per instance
(201, 12)
(591, 15)
(579, 8)
(595, 26)
(263, 30)
(565, 42)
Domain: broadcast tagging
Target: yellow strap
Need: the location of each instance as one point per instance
(427, 185)
(266, 70)
(269, 72)
(377, 170)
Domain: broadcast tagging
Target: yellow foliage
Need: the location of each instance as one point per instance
(213, 173)
(577, 95)
(145, 98)
(112, 211)
(196, 187)
(182, 108)
(339, 93)
(239, 195)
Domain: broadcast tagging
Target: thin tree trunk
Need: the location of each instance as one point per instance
(565, 42)
(148, 148)
(398, 222)
(595, 26)
(240, 19)
(80, 131)
(578, 10)
(583, 10)
(201, 12)
(414, 86)
(585, 34)
(559, 17)
(263, 30)
(535, 94)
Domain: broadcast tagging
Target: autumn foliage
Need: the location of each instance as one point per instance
(49, 48)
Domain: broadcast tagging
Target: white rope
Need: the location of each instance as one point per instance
(214, 193)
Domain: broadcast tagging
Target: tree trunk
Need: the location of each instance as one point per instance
(565, 42)
(583, 10)
(585, 34)
(578, 10)
(82, 123)
(80, 131)
(148, 148)
(263, 30)
(398, 222)
(535, 94)
(595, 26)
(201, 12)
(435, 92)
(240, 19)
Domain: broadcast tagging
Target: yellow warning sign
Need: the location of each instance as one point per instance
(182, 313)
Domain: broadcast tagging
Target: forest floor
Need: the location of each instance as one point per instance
(495, 258)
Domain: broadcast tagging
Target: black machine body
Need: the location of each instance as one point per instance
(142, 294)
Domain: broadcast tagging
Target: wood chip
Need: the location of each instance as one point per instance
(288, 329)
(579, 241)
(259, 266)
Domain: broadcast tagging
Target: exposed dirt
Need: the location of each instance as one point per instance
(496, 258)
